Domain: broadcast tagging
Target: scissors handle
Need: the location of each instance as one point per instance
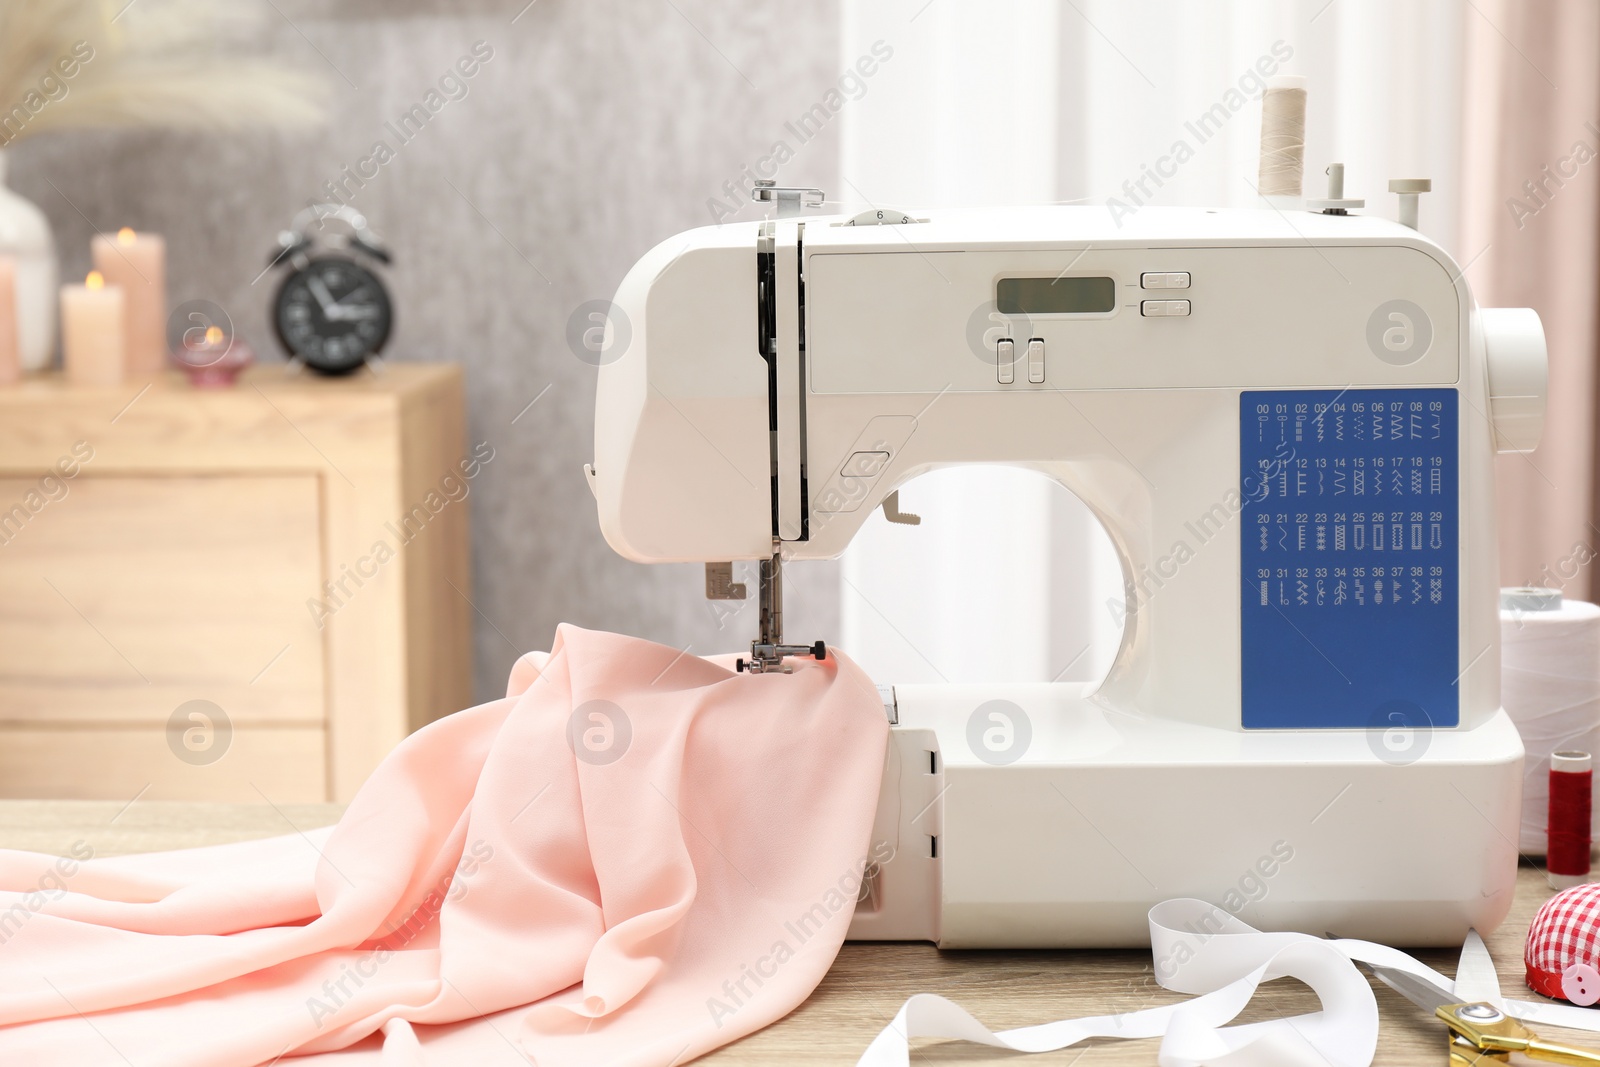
(1550, 1052)
(1496, 1036)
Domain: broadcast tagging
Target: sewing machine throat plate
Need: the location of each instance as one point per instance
(1349, 559)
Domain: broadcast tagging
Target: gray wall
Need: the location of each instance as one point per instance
(597, 129)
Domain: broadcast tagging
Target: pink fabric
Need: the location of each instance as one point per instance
(640, 911)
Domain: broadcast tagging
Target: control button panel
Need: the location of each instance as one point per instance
(1036, 360)
(1164, 309)
(1164, 280)
(1005, 356)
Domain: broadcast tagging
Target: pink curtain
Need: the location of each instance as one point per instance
(1531, 238)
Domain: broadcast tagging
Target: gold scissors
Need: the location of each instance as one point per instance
(1480, 1033)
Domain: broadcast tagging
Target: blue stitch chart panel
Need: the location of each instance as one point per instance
(1349, 557)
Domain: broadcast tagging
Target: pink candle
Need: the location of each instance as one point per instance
(136, 263)
(10, 360)
(92, 346)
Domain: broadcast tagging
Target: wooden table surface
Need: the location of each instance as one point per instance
(868, 981)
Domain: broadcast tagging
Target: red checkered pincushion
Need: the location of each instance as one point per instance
(1563, 951)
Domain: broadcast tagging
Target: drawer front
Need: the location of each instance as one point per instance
(130, 596)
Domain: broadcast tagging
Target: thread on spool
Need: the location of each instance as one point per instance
(1283, 137)
(1550, 686)
(1571, 807)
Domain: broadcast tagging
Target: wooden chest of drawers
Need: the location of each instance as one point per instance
(230, 594)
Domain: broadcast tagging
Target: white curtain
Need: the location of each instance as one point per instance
(1050, 101)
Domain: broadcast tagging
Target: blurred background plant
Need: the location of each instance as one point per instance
(168, 63)
(100, 64)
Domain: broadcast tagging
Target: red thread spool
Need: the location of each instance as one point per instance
(1571, 797)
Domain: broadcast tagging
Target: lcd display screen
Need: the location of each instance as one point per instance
(1055, 296)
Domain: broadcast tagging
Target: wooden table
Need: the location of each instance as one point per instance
(868, 981)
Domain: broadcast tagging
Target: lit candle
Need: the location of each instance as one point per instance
(10, 359)
(92, 332)
(136, 263)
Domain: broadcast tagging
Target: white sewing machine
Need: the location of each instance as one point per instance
(1286, 421)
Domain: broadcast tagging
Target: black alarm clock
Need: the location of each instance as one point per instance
(332, 311)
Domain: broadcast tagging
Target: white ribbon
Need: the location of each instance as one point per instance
(1201, 949)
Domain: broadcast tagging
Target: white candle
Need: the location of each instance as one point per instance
(92, 346)
(136, 263)
(10, 339)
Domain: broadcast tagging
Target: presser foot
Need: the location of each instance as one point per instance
(764, 659)
(767, 651)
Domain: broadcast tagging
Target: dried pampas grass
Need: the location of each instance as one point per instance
(170, 63)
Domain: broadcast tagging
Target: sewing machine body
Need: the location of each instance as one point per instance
(1261, 733)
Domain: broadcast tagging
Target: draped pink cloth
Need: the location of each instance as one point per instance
(635, 857)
